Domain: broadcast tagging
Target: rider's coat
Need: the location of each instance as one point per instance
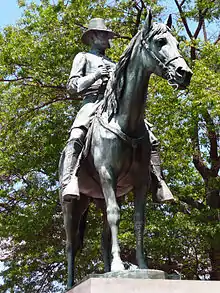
(84, 67)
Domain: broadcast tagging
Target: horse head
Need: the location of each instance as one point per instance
(162, 50)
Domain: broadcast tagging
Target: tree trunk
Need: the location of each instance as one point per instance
(214, 255)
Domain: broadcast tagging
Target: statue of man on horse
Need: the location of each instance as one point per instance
(88, 78)
(111, 149)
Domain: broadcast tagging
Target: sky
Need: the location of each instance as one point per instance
(9, 12)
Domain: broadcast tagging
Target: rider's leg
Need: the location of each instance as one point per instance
(69, 181)
(160, 190)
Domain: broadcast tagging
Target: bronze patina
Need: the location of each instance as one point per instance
(111, 149)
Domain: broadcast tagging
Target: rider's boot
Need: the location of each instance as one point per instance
(69, 180)
(160, 190)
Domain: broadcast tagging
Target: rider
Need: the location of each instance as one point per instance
(88, 78)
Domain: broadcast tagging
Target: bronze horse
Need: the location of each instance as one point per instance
(118, 155)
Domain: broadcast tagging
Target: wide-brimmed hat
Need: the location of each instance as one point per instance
(96, 24)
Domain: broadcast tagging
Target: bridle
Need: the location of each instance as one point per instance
(152, 54)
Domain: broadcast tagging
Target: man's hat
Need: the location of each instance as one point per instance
(96, 24)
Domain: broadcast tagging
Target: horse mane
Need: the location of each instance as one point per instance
(116, 85)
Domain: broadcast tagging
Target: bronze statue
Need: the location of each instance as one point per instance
(109, 151)
(89, 76)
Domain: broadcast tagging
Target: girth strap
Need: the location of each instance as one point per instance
(129, 140)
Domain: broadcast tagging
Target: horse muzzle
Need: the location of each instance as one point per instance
(183, 77)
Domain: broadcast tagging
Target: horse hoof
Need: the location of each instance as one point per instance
(143, 266)
(117, 265)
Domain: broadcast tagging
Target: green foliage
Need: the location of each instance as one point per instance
(36, 113)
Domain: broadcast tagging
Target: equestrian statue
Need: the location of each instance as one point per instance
(111, 149)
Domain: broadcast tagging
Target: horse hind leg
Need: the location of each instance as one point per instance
(108, 182)
(74, 223)
(70, 249)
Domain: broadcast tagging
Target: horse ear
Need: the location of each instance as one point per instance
(148, 22)
(169, 21)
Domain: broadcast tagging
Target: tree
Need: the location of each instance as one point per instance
(196, 115)
(36, 112)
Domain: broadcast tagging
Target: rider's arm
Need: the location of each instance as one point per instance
(77, 82)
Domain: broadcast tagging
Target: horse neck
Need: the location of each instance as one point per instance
(132, 103)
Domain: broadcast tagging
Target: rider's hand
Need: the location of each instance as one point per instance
(101, 72)
(110, 69)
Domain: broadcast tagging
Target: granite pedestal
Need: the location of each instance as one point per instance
(125, 285)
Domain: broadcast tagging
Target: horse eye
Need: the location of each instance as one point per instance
(178, 46)
(162, 42)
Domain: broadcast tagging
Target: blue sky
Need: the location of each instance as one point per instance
(9, 12)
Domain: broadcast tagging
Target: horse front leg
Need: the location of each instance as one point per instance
(108, 182)
(139, 223)
(106, 235)
(106, 244)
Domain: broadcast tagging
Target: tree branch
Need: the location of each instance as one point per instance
(216, 166)
(80, 25)
(179, 6)
(16, 79)
(200, 166)
(143, 4)
(184, 202)
(123, 37)
(201, 21)
(38, 83)
(218, 40)
(213, 139)
(183, 1)
(197, 159)
(54, 101)
(193, 203)
(204, 32)
(182, 207)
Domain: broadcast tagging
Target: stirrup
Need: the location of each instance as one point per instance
(160, 191)
(163, 192)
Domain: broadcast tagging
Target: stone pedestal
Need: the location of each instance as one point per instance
(133, 274)
(126, 285)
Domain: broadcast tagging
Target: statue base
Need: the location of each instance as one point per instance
(144, 274)
(95, 285)
(133, 274)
